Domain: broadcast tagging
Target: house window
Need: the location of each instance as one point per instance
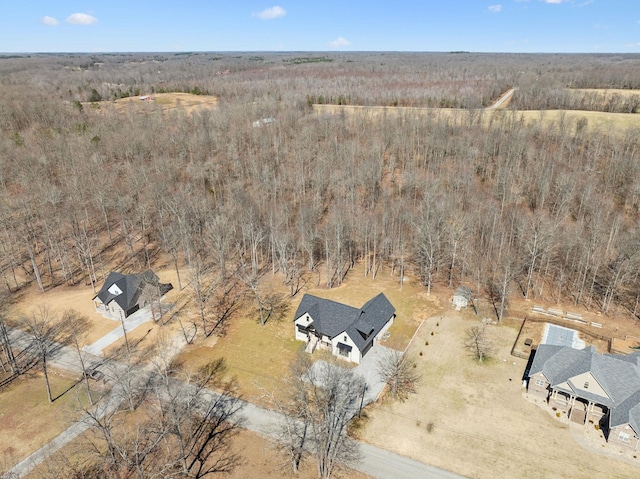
(540, 383)
(623, 436)
(586, 384)
(302, 329)
(344, 350)
(345, 338)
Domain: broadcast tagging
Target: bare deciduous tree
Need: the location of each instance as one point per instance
(324, 399)
(400, 373)
(201, 423)
(47, 332)
(477, 343)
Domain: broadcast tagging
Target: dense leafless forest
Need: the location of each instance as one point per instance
(547, 212)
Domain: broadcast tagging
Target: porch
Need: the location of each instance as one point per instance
(577, 409)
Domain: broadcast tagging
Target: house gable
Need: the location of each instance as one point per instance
(343, 346)
(586, 383)
(330, 318)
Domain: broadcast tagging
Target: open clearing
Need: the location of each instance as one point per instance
(595, 120)
(164, 101)
(608, 92)
(451, 396)
(473, 419)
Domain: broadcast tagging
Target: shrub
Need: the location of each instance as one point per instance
(558, 414)
(95, 96)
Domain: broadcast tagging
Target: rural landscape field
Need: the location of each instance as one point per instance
(246, 181)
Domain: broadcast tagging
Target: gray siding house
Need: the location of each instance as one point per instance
(348, 332)
(591, 387)
(122, 295)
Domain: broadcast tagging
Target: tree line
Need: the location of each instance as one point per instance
(546, 212)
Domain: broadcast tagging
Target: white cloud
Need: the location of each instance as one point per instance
(553, 1)
(495, 8)
(271, 13)
(339, 43)
(49, 21)
(81, 19)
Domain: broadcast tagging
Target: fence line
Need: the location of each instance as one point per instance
(557, 322)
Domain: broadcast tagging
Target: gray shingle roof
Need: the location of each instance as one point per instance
(331, 318)
(372, 318)
(544, 352)
(130, 286)
(618, 375)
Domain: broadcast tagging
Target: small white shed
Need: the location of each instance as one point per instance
(462, 297)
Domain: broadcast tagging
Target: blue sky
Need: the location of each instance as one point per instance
(310, 25)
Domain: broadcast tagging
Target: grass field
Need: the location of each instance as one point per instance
(616, 123)
(606, 92)
(28, 421)
(164, 101)
(472, 418)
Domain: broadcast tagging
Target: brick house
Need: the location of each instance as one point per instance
(591, 387)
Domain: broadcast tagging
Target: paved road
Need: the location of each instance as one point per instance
(377, 462)
(67, 358)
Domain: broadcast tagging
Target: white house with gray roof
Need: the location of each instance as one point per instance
(348, 332)
(591, 387)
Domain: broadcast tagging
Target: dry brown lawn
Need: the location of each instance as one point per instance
(260, 458)
(79, 298)
(472, 418)
(28, 421)
(260, 357)
(60, 299)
